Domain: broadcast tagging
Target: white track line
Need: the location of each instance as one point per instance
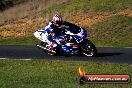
(26, 59)
(14, 59)
(23, 59)
(3, 58)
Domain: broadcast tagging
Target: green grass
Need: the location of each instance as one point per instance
(72, 6)
(55, 74)
(30, 40)
(114, 31)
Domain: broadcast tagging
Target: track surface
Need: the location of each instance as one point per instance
(106, 55)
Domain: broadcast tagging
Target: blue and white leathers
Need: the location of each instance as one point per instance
(43, 34)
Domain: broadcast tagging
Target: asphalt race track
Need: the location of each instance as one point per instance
(105, 55)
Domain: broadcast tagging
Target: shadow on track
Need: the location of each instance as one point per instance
(107, 54)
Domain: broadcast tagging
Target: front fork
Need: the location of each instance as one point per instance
(83, 44)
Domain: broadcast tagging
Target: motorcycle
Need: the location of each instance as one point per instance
(76, 43)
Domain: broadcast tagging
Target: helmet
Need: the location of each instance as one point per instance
(57, 20)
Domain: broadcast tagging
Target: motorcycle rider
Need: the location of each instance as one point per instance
(51, 33)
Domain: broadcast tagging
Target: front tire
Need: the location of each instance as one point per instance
(90, 50)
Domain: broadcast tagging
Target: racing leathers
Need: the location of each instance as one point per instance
(51, 34)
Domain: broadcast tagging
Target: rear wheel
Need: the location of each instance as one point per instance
(90, 50)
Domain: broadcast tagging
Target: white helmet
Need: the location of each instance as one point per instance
(57, 20)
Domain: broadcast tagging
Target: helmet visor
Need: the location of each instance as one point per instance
(59, 23)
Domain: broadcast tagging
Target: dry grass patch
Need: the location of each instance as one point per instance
(24, 27)
(92, 18)
(27, 26)
(26, 9)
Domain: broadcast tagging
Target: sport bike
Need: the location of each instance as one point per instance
(75, 42)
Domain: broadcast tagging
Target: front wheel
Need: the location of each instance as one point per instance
(90, 50)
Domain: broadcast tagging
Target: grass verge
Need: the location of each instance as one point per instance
(30, 40)
(114, 31)
(55, 74)
(73, 6)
